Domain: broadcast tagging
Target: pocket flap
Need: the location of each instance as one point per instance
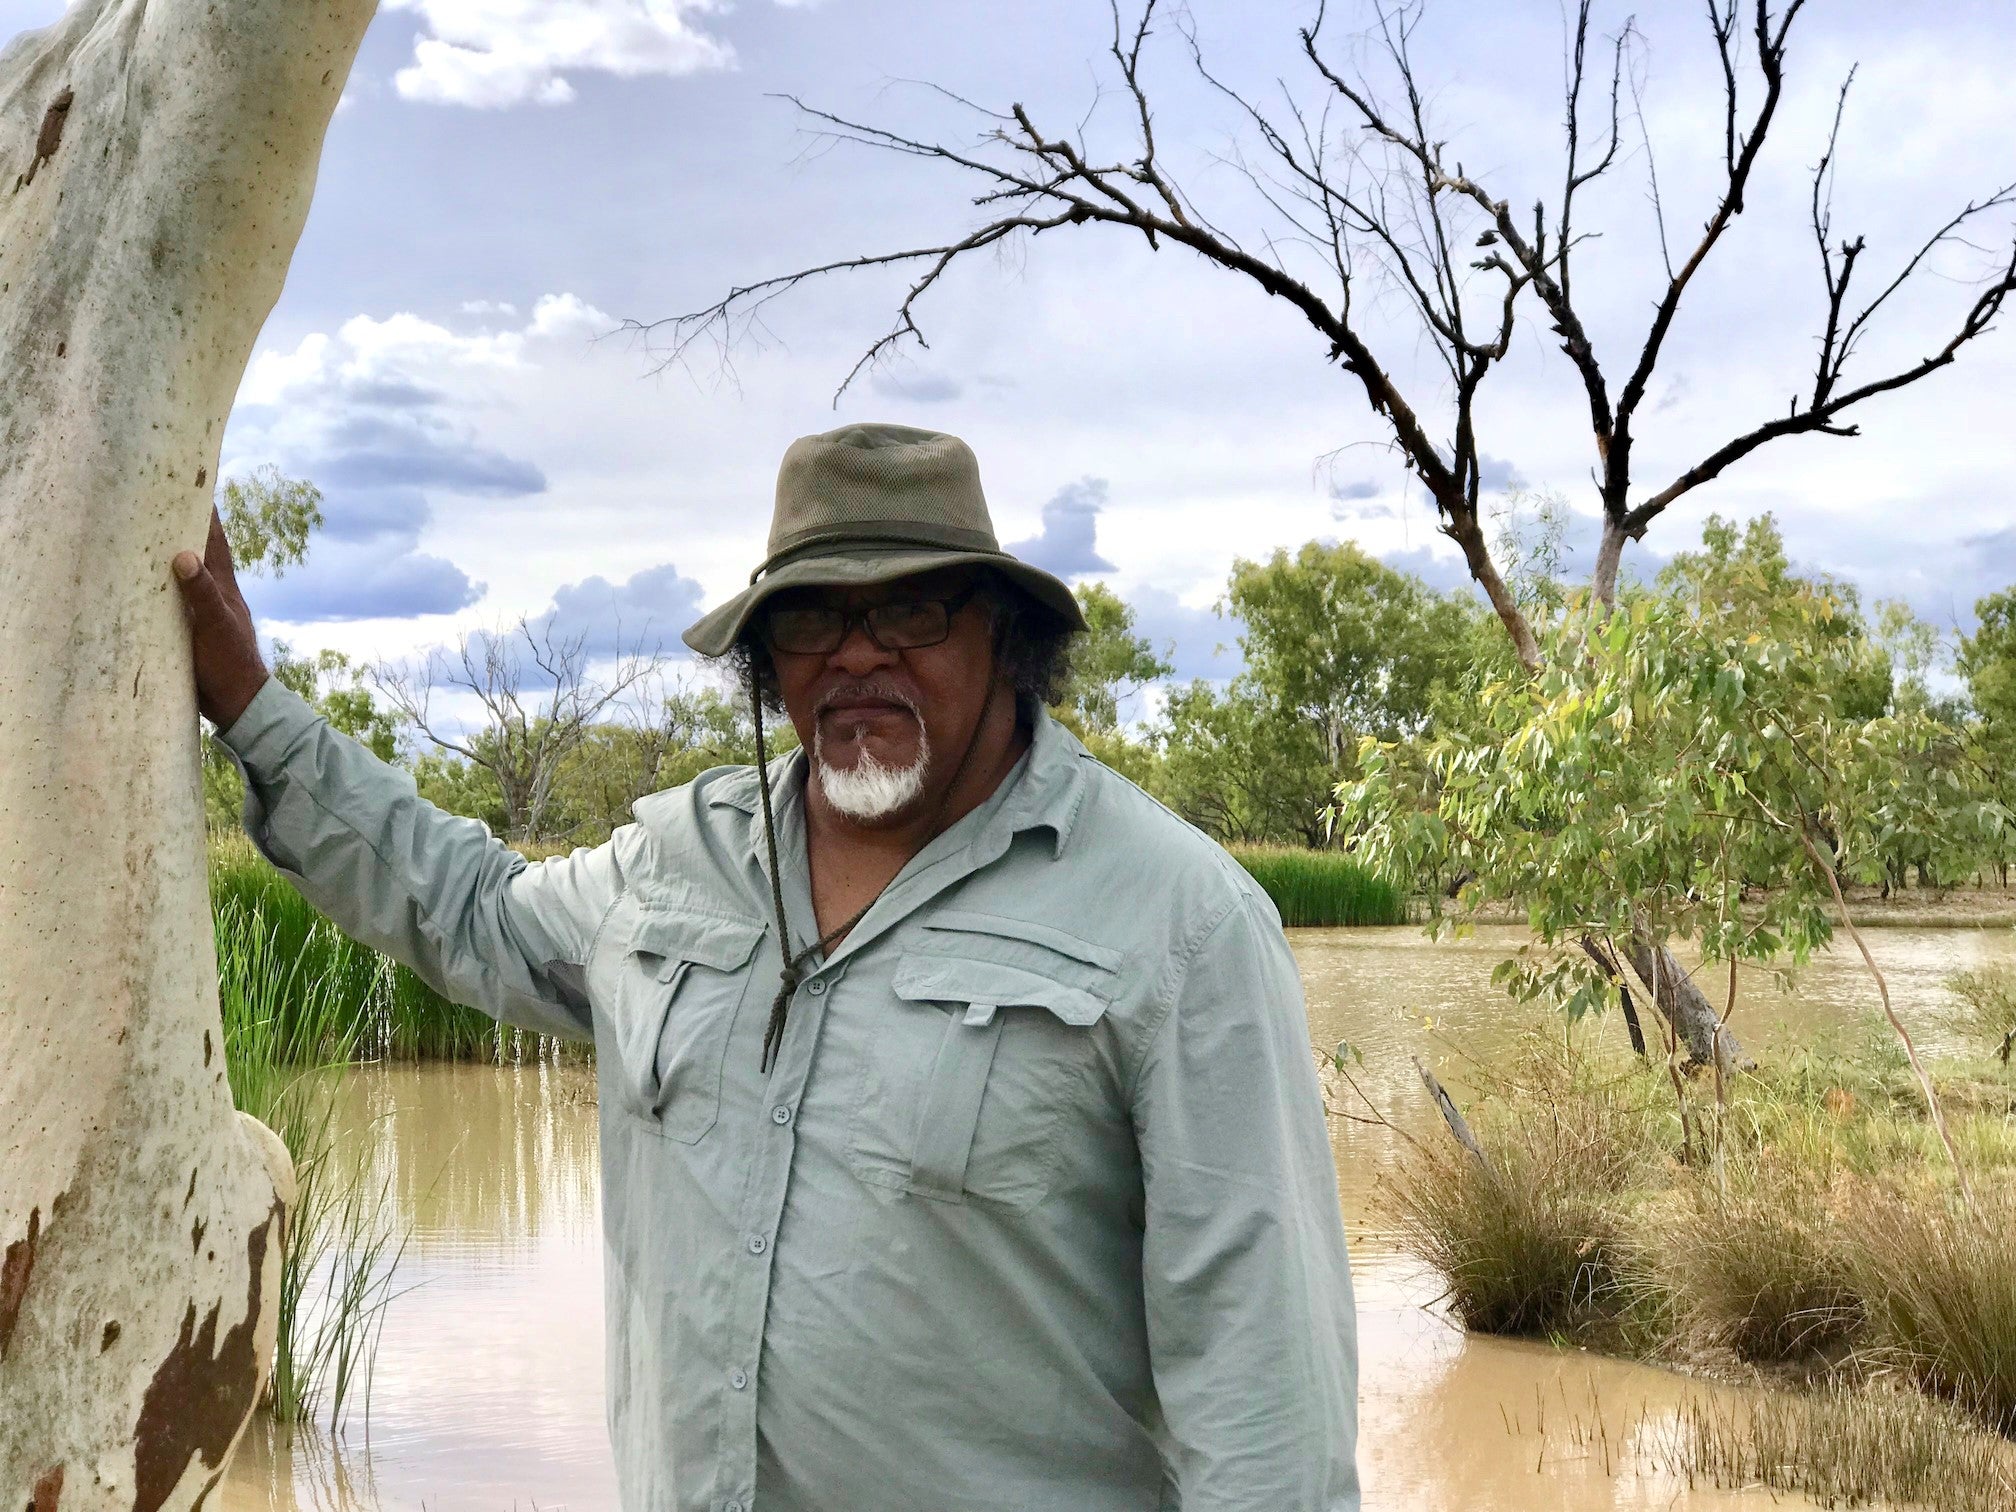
(706, 939)
(948, 979)
(1028, 931)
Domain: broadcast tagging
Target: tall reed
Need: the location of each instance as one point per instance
(286, 990)
(1312, 887)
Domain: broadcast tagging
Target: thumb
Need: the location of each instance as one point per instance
(200, 593)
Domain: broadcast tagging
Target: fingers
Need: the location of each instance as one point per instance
(217, 549)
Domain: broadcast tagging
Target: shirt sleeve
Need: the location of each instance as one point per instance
(1252, 1336)
(477, 921)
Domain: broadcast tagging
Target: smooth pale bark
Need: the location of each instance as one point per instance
(156, 161)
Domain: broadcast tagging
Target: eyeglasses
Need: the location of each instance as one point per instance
(894, 625)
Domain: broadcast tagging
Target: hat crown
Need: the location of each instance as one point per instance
(889, 484)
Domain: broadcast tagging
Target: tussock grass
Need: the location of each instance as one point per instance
(1533, 1243)
(1311, 887)
(1818, 1233)
(1939, 1286)
(1843, 1447)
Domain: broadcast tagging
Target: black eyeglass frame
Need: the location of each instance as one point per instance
(865, 617)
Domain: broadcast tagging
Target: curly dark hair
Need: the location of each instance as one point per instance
(1031, 643)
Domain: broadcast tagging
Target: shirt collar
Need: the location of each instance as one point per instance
(1049, 796)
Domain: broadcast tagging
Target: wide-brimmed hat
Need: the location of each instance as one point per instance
(867, 504)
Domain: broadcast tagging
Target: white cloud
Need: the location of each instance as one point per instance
(494, 53)
(402, 347)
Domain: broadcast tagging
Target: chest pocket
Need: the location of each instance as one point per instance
(680, 986)
(992, 1041)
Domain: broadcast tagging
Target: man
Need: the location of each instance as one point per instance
(961, 1145)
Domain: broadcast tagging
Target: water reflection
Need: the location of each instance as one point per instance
(489, 1386)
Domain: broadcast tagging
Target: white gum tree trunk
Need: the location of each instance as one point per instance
(156, 161)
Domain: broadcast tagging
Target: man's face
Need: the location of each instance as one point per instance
(886, 726)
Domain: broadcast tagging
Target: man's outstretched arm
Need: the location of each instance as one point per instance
(476, 920)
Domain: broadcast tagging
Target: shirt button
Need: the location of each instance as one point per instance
(816, 986)
(758, 1244)
(731, 1507)
(780, 1116)
(738, 1379)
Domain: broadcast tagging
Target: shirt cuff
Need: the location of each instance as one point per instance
(271, 726)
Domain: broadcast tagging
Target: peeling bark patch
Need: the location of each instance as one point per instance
(109, 1337)
(202, 476)
(206, 1061)
(202, 1393)
(50, 137)
(14, 1269)
(48, 1491)
(196, 1235)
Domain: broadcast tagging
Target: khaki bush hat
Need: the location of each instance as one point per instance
(867, 504)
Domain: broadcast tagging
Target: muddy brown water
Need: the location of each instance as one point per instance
(488, 1394)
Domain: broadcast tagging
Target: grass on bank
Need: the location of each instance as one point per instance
(1312, 887)
(1820, 1238)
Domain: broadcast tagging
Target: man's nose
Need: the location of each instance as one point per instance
(858, 654)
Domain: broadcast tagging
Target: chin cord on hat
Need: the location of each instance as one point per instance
(791, 975)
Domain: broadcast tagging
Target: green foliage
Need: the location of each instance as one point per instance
(1338, 640)
(1984, 1006)
(1110, 661)
(1674, 769)
(1312, 887)
(1241, 769)
(268, 518)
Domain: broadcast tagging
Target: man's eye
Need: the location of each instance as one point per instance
(907, 612)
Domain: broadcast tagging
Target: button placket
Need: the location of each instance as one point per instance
(762, 1206)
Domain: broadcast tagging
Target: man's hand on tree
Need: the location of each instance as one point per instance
(229, 670)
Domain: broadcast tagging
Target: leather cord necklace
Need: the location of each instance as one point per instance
(793, 965)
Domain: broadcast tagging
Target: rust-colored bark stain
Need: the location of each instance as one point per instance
(48, 1491)
(203, 1391)
(14, 1272)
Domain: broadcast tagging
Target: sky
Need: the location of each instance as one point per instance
(506, 182)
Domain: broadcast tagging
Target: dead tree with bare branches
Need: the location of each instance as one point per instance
(532, 682)
(1364, 199)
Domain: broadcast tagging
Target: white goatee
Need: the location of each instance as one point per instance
(869, 791)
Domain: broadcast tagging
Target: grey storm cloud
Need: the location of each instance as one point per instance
(1067, 545)
(1197, 642)
(647, 610)
(420, 451)
(1496, 475)
(919, 388)
(374, 576)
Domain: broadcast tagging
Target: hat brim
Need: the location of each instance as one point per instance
(855, 566)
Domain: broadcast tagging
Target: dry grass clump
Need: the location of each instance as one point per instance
(1757, 1269)
(1534, 1243)
(1819, 1234)
(1938, 1285)
(1843, 1447)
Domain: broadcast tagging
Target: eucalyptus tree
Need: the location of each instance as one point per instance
(1359, 204)
(156, 161)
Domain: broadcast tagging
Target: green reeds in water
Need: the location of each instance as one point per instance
(1312, 887)
(391, 1013)
(289, 998)
(1844, 1447)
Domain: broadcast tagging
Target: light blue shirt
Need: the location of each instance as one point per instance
(1035, 1209)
